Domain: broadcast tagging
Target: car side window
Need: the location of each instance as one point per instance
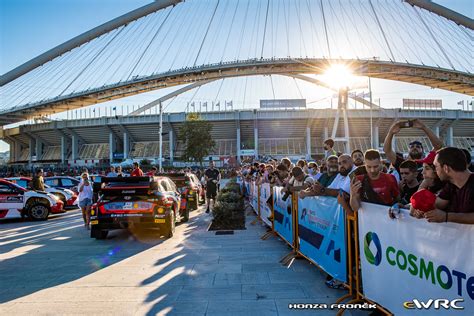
(67, 182)
(6, 189)
(52, 182)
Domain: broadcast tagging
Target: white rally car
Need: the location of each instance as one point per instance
(16, 202)
(67, 196)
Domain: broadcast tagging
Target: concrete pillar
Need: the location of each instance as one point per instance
(31, 150)
(238, 144)
(436, 131)
(63, 149)
(376, 140)
(39, 149)
(171, 140)
(112, 145)
(325, 133)
(126, 145)
(308, 143)
(255, 135)
(74, 148)
(449, 137)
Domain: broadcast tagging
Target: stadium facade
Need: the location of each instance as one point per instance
(296, 133)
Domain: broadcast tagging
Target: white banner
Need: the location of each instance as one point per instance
(411, 265)
(265, 210)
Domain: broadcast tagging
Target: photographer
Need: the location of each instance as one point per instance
(299, 181)
(281, 175)
(416, 148)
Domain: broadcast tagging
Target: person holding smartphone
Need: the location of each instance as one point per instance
(415, 148)
(85, 198)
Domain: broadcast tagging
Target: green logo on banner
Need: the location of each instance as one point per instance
(371, 258)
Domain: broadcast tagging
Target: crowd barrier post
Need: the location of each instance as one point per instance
(354, 276)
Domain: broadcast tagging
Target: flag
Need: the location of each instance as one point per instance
(461, 102)
(114, 108)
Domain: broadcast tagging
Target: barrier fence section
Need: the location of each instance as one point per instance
(322, 234)
(283, 215)
(265, 209)
(254, 197)
(422, 261)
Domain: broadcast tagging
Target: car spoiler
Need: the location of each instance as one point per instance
(127, 185)
(170, 175)
(125, 179)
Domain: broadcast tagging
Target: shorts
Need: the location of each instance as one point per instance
(85, 203)
(211, 191)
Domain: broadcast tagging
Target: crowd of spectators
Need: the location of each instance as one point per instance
(437, 186)
(445, 173)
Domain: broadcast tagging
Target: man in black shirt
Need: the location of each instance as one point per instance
(408, 183)
(212, 177)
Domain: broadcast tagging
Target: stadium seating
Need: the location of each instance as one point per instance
(94, 151)
(52, 153)
(148, 149)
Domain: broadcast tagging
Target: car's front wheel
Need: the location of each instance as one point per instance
(38, 212)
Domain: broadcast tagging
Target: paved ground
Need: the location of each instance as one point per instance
(54, 267)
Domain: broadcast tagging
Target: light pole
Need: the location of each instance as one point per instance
(161, 138)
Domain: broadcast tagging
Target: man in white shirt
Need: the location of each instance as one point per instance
(342, 180)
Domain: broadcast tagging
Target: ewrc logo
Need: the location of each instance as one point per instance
(371, 258)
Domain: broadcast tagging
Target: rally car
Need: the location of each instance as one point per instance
(68, 197)
(126, 202)
(63, 182)
(16, 201)
(190, 189)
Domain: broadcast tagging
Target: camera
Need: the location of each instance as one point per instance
(406, 124)
(285, 197)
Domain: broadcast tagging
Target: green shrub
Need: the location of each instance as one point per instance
(228, 196)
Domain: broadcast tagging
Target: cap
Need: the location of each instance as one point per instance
(429, 159)
(423, 200)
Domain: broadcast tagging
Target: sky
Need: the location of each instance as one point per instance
(31, 27)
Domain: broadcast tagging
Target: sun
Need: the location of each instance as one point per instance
(338, 76)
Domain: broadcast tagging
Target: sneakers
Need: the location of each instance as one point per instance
(334, 284)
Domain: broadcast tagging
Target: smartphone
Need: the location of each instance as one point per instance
(352, 176)
(406, 124)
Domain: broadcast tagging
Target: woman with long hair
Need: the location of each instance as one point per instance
(85, 198)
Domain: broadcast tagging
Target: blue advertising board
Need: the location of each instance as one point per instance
(322, 234)
(282, 210)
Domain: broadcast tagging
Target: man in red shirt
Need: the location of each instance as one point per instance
(375, 186)
(137, 172)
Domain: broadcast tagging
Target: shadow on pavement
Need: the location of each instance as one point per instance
(40, 255)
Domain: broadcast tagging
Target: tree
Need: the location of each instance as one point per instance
(196, 135)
